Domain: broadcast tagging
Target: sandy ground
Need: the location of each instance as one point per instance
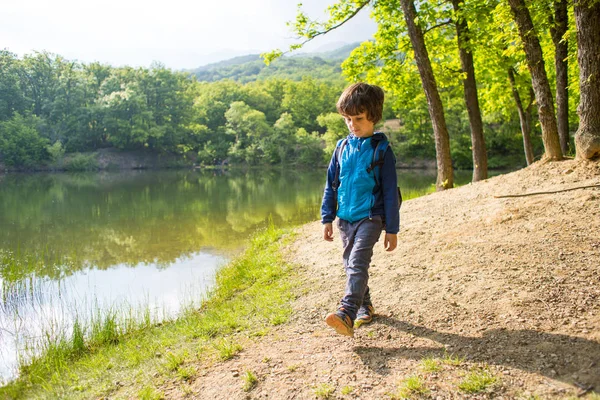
(508, 285)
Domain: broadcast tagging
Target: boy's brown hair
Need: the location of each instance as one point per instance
(362, 97)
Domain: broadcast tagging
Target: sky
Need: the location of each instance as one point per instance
(180, 34)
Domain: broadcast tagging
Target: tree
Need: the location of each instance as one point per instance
(445, 175)
(471, 98)
(524, 116)
(559, 25)
(251, 132)
(11, 96)
(587, 19)
(20, 143)
(541, 86)
(306, 100)
(126, 118)
(336, 129)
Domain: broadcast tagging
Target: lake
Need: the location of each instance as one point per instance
(75, 246)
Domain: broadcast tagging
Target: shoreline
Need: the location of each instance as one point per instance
(115, 160)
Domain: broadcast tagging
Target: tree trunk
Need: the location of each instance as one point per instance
(587, 19)
(471, 99)
(541, 86)
(558, 29)
(524, 118)
(445, 174)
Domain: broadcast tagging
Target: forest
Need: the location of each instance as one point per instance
(56, 112)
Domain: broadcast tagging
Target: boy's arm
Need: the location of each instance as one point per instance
(329, 203)
(389, 186)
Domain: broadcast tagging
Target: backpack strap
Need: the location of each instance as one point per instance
(378, 154)
(338, 154)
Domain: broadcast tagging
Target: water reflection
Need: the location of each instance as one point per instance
(57, 224)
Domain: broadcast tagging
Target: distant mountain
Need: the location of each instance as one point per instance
(228, 63)
(337, 53)
(248, 68)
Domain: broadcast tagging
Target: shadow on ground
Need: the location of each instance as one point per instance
(570, 359)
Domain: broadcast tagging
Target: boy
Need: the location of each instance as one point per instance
(365, 199)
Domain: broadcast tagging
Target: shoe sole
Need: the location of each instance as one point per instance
(334, 321)
(362, 321)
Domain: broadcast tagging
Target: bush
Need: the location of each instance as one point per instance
(81, 162)
(56, 152)
(20, 142)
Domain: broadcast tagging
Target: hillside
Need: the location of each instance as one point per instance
(248, 68)
(503, 293)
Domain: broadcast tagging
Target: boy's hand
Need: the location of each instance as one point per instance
(390, 242)
(328, 231)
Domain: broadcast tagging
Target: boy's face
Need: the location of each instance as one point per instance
(359, 125)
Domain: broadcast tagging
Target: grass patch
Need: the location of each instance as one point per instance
(431, 364)
(250, 380)
(346, 390)
(149, 393)
(410, 387)
(227, 348)
(251, 294)
(174, 361)
(293, 367)
(477, 381)
(452, 359)
(186, 373)
(324, 390)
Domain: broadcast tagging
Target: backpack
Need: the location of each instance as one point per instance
(377, 161)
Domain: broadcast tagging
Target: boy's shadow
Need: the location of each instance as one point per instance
(570, 359)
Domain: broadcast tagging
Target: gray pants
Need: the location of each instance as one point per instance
(358, 239)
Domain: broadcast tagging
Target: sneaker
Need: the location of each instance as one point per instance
(341, 322)
(364, 316)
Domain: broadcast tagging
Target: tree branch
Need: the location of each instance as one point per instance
(360, 7)
(268, 57)
(550, 192)
(448, 22)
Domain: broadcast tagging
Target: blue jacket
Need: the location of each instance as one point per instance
(354, 199)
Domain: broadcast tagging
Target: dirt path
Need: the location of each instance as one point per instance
(509, 286)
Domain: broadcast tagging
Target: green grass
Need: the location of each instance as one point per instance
(431, 364)
(324, 390)
(227, 349)
(293, 367)
(411, 387)
(186, 373)
(347, 390)
(174, 361)
(451, 359)
(149, 393)
(250, 380)
(477, 381)
(251, 294)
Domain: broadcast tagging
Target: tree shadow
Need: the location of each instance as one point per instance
(570, 359)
